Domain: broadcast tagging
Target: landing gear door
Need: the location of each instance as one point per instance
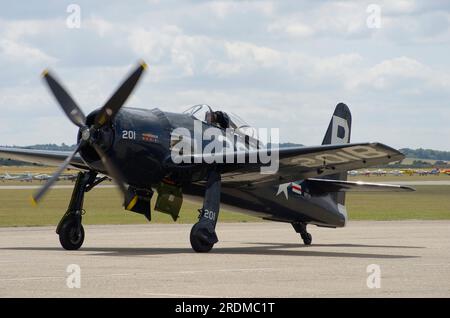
(170, 199)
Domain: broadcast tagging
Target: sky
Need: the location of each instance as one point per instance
(278, 64)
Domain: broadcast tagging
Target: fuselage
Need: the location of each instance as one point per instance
(139, 142)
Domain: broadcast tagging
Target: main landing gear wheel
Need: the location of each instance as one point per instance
(70, 229)
(203, 233)
(71, 234)
(307, 238)
(200, 241)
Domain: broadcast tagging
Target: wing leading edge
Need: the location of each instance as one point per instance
(46, 157)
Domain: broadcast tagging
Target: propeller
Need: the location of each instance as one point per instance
(102, 119)
(66, 102)
(115, 102)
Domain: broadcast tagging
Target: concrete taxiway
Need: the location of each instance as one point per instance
(251, 260)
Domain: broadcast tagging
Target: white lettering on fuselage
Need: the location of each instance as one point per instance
(129, 134)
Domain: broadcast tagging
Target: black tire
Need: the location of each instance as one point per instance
(71, 236)
(307, 238)
(198, 244)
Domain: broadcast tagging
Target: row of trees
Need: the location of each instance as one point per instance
(426, 154)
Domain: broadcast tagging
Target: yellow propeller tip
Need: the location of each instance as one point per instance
(144, 65)
(132, 203)
(33, 201)
(44, 73)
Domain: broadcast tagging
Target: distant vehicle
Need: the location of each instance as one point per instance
(353, 173)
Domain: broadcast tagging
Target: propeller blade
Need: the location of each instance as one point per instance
(66, 102)
(113, 172)
(116, 101)
(40, 193)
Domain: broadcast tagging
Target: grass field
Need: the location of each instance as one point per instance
(103, 206)
(427, 203)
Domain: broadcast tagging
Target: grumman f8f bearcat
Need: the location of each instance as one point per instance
(134, 147)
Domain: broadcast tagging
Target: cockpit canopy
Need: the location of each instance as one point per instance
(221, 119)
(199, 111)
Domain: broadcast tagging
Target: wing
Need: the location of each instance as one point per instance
(296, 163)
(46, 157)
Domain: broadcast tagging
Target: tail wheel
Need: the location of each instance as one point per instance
(307, 238)
(71, 235)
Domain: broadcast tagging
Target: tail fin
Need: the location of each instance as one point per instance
(338, 132)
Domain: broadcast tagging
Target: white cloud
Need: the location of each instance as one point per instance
(223, 9)
(402, 73)
(20, 52)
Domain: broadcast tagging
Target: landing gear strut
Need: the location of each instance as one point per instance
(301, 229)
(203, 234)
(70, 229)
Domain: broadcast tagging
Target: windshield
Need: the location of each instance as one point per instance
(221, 119)
(200, 112)
(241, 126)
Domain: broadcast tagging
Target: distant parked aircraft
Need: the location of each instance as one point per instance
(20, 177)
(42, 177)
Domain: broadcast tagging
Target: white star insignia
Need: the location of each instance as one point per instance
(283, 188)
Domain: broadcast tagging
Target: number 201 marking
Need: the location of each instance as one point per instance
(128, 134)
(209, 214)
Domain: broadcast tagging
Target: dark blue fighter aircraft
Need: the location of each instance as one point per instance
(135, 148)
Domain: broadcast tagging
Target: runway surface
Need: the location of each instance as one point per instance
(251, 260)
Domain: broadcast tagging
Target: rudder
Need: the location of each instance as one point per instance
(338, 132)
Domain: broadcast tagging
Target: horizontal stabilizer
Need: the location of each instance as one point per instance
(326, 185)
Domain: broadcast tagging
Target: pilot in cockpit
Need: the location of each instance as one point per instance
(218, 118)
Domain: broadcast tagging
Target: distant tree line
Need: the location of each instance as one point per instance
(62, 147)
(426, 154)
(418, 164)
